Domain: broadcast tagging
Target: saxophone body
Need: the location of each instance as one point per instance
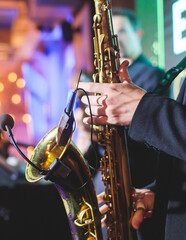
(68, 170)
(65, 166)
(114, 163)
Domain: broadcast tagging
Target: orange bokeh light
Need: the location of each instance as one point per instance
(16, 98)
(12, 77)
(20, 83)
(26, 118)
(1, 87)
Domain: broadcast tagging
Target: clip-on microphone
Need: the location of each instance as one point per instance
(66, 122)
(64, 133)
(65, 127)
(6, 124)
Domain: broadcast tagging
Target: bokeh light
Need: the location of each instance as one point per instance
(1, 87)
(20, 83)
(26, 118)
(16, 99)
(12, 77)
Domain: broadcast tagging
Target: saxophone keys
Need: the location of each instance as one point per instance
(85, 216)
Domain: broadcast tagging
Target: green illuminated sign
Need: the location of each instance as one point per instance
(179, 26)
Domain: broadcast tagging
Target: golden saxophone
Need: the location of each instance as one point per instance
(114, 163)
(64, 164)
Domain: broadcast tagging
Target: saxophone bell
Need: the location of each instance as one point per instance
(67, 169)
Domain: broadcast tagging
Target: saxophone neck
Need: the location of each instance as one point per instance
(105, 44)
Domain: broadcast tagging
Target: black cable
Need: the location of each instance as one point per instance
(91, 130)
(92, 142)
(9, 130)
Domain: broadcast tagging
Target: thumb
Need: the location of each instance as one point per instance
(123, 73)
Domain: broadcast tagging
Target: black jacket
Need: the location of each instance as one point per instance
(146, 76)
(162, 127)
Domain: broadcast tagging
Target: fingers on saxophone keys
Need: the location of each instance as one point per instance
(103, 223)
(100, 197)
(96, 111)
(148, 214)
(103, 209)
(96, 120)
(138, 217)
(92, 99)
(140, 209)
(95, 100)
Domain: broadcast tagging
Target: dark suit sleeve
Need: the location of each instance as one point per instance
(160, 123)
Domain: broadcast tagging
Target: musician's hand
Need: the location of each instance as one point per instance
(143, 206)
(117, 102)
(103, 209)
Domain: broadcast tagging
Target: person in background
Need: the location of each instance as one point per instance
(128, 28)
(159, 122)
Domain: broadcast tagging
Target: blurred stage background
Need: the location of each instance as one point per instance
(43, 46)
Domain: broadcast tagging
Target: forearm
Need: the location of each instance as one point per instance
(160, 123)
